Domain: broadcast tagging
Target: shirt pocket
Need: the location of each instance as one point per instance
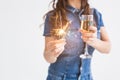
(53, 77)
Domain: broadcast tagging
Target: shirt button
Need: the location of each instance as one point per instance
(80, 68)
(75, 36)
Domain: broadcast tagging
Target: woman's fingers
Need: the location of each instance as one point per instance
(91, 34)
(59, 51)
(56, 43)
(93, 29)
(56, 47)
(86, 39)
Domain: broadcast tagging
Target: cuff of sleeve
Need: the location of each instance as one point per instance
(48, 35)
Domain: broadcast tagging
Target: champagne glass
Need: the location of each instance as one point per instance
(86, 22)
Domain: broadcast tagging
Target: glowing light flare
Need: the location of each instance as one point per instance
(61, 32)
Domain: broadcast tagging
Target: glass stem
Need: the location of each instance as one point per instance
(86, 49)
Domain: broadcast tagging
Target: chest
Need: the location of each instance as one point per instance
(75, 21)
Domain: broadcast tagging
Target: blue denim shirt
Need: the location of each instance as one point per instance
(69, 65)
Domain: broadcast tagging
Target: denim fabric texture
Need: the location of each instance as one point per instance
(69, 66)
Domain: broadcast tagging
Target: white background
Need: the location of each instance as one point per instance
(22, 43)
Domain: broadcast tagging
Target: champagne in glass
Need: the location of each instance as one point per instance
(86, 22)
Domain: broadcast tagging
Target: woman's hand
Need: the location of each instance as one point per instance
(53, 49)
(89, 37)
(56, 47)
(103, 45)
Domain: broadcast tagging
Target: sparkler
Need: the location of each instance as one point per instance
(61, 32)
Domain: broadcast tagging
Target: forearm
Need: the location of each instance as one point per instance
(101, 46)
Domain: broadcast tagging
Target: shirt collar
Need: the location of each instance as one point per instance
(74, 10)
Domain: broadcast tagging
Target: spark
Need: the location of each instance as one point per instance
(60, 33)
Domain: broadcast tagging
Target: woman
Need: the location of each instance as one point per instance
(63, 54)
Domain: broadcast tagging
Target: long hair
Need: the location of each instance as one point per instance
(59, 12)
